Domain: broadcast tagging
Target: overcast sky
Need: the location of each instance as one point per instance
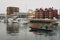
(24, 5)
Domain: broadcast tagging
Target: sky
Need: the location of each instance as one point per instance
(24, 5)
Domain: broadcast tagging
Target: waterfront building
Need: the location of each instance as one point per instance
(11, 10)
(49, 13)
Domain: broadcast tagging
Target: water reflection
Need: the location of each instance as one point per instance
(24, 32)
(12, 28)
(43, 33)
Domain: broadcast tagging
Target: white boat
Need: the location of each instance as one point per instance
(10, 20)
(24, 20)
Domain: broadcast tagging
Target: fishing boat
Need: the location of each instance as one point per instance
(42, 24)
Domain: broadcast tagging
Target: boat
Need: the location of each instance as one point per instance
(42, 24)
(23, 20)
(42, 20)
(37, 27)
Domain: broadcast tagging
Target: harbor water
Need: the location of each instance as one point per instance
(17, 31)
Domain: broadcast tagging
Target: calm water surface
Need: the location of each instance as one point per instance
(21, 32)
